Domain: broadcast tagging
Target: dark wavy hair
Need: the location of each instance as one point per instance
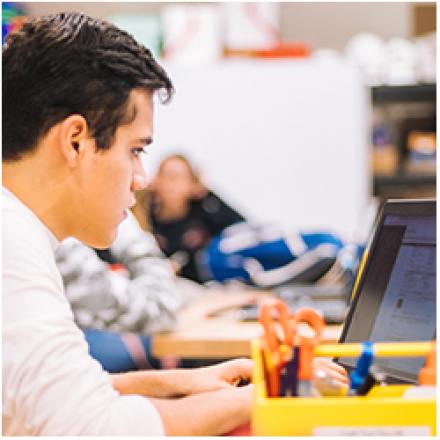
(68, 63)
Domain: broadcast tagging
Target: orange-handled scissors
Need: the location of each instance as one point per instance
(268, 308)
(289, 348)
(276, 348)
(297, 370)
(306, 346)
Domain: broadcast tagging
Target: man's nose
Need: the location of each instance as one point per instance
(140, 180)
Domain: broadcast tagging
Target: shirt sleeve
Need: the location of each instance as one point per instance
(60, 390)
(50, 383)
(146, 301)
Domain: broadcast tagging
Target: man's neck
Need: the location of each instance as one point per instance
(38, 191)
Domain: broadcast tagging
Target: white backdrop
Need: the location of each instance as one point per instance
(284, 142)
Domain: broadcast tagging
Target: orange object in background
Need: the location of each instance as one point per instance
(428, 375)
(281, 50)
(285, 50)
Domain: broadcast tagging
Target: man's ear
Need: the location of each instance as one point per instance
(74, 135)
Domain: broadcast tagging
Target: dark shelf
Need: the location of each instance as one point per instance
(406, 179)
(410, 93)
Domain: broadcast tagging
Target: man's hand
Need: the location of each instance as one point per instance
(224, 375)
(329, 377)
(199, 401)
(184, 382)
(211, 413)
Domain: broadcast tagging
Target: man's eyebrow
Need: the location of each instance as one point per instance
(143, 141)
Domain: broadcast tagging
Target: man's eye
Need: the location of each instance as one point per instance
(138, 150)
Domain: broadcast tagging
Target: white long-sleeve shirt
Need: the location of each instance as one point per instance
(51, 385)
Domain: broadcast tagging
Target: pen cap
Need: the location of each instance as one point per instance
(427, 374)
(363, 364)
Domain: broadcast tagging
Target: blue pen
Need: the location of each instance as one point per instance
(358, 375)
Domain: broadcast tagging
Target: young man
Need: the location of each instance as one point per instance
(77, 113)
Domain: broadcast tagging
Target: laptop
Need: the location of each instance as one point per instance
(394, 297)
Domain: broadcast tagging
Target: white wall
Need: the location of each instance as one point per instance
(283, 141)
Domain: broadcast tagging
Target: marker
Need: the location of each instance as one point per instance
(358, 375)
(289, 375)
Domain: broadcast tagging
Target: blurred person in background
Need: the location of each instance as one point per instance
(185, 215)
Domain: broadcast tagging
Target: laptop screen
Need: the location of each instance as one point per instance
(396, 296)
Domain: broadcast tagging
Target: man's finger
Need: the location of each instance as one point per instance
(326, 363)
(237, 369)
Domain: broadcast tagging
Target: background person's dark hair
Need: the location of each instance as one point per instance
(69, 63)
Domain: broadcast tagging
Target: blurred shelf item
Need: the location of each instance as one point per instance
(385, 160)
(405, 185)
(408, 93)
(421, 146)
(404, 141)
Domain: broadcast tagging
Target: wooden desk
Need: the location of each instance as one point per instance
(221, 337)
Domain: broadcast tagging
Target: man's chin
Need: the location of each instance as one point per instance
(103, 245)
(101, 242)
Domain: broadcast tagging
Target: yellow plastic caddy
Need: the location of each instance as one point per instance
(382, 412)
